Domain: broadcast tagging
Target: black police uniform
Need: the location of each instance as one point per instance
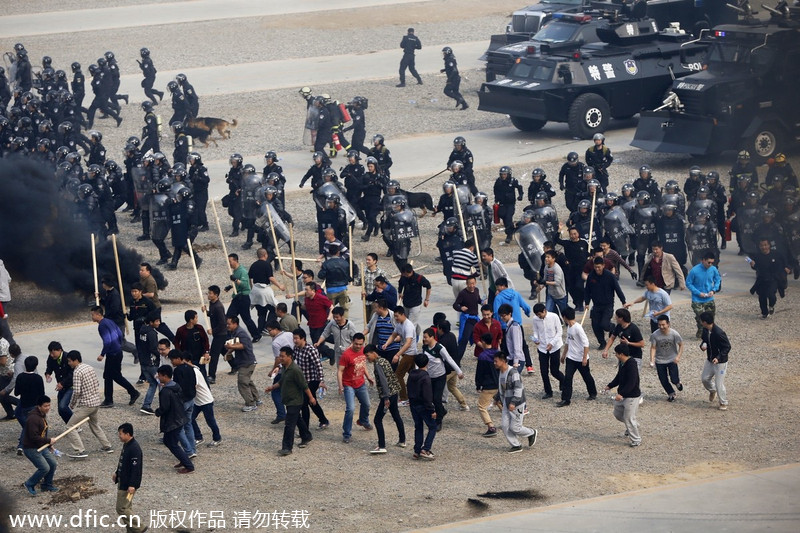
(359, 128)
(382, 154)
(191, 98)
(181, 152)
(504, 194)
(453, 81)
(199, 178)
(324, 125)
(234, 181)
(78, 86)
(150, 140)
(600, 159)
(180, 108)
(101, 100)
(97, 154)
(409, 44)
(149, 72)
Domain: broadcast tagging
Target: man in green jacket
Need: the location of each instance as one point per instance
(293, 385)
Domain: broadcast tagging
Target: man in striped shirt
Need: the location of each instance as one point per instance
(371, 272)
(465, 263)
(306, 356)
(85, 403)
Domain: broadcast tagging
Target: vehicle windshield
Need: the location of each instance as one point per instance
(567, 2)
(556, 32)
(539, 70)
(741, 54)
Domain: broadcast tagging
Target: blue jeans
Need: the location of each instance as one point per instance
(208, 413)
(171, 439)
(550, 304)
(187, 432)
(350, 395)
(149, 374)
(280, 410)
(64, 397)
(45, 465)
(421, 416)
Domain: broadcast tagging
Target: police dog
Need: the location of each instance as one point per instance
(199, 135)
(209, 124)
(419, 200)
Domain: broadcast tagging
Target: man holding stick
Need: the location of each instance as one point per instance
(34, 437)
(85, 403)
(128, 477)
(112, 349)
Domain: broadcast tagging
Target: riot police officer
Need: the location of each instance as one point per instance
(446, 204)
(719, 196)
(673, 195)
(358, 125)
(192, 100)
(372, 190)
(78, 85)
(234, 198)
(701, 236)
(453, 77)
(581, 219)
(116, 182)
(23, 75)
(539, 183)
(643, 220)
(449, 241)
(645, 182)
(5, 89)
(739, 203)
(95, 176)
(570, 175)
(71, 138)
(133, 159)
(743, 166)
(402, 230)
(381, 154)
(180, 108)
(113, 69)
(545, 215)
(507, 191)
(325, 123)
(181, 210)
(149, 73)
(271, 165)
(670, 232)
(460, 178)
(693, 182)
(97, 152)
(150, 133)
(101, 97)
(251, 183)
(409, 44)
(160, 218)
(199, 178)
(88, 209)
(462, 153)
(314, 172)
(332, 216)
(145, 179)
(598, 156)
(353, 175)
(181, 152)
(703, 200)
(479, 215)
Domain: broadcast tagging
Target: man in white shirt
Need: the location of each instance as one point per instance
(406, 332)
(513, 339)
(547, 333)
(658, 299)
(204, 403)
(280, 339)
(576, 357)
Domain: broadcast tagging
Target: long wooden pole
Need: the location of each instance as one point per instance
(64, 434)
(294, 278)
(119, 280)
(350, 240)
(197, 279)
(94, 271)
(585, 314)
(363, 299)
(275, 242)
(591, 220)
(460, 214)
(478, 252)
(222, 240)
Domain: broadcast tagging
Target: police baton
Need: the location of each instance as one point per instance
(429, 179)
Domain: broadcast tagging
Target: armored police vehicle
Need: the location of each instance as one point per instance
(585, 86)
(744, 98)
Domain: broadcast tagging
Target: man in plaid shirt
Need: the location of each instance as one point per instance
(306, 356)
(371, 272)
(85, 403)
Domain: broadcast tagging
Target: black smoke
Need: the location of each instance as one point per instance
(42, 243)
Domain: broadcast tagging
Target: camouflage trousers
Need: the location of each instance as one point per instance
(699, 308)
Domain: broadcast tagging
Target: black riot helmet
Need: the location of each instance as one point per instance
(95, 136)
(527, 217)
(65, 127)
(177, 127)
(354, 154)
(743, 180)
(671, 187)
(19, 47)
(392, 184)
(318, 157)
(451, 222)
(448, 186)
(372, 161)
(704, 215)
(101, 62)
(76, 67)
(712, 177)
(669, 209)
(61, 75)
(24, 123)
(273, 178)
(194, 157)
(147, 106)
(398, 204)
(645, 172)
(181, 78)
(377, 140)
(270, 190)
(752, 198)
(592, 183)
(163, 186)
(249, 168)
(235, 160)
(703, 192)
(588, 174)
(134, 140)
(144, 52)
(149, 159)
(94, 170)
(459, 142)
(43, 144)
(584, 205)
(505, 170)
(271, 154)
(332, 200)
(111, 165)
(109, 56)
(572, 158)
(695, 173)
(447, 51)
(643, 198)
(611, 198)
(481, 198)
(541, 199)
(61, 152)
(537, 175)
(47, 62)
(172, 86)
(85, 191)
(456, 166)
(159, 158)
(329, 174)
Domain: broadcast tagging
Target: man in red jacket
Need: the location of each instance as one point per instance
(318, 307)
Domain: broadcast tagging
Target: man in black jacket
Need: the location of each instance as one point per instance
(717, 346)
(600, 288)
(112, 304)
(504, 195)
(626, 402)
(183, 374)
(128, 478)
(57, 364)
(335, 272)
(173, 418)
(147, 340)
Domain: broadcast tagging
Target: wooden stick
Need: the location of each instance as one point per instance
(129, 496)
(460, 214)
(644, 310)
(119, 280)
(294, 280)
(478, 253)
(350, 240)
(64, 434)
(585, 314)
(364, 300)
(275, 241)
(222, 240)
(197, 279)
(94, 271)
(591, 219)
(312, 259)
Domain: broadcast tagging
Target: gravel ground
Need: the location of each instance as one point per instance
(685, 440)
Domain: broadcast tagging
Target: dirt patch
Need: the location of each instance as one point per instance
(643, 480)
(397, 15)
(74, 488)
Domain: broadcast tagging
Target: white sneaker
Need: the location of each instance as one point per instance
(464, 407)
(403, 403)
(377, 451)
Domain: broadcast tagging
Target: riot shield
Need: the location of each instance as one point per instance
(531, 239)
(547, 218)
(160, 220)
(251, 183)
(619, 230)
(464, 196)
(676, 199)
(141, 185)
(263, 220)
(331, 188)
(387, 200)
(403, 232)
(474, 218)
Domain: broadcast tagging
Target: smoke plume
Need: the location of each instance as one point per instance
(42, 243)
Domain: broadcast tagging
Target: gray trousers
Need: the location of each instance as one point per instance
(512, 425)
(625, 411)
(244, 381)
(714, 379)
(78, 414)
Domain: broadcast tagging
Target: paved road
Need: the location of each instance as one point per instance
(171, 13)
(761, 500)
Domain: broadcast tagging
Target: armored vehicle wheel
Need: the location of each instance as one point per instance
(588, 114)
(765, 142)
(527, 124)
